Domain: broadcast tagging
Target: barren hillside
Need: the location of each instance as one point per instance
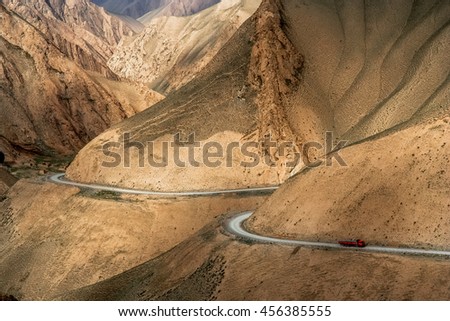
(295, 70)
(373, 72)
(394, 191)
(135, 8)
(82, 31)
(55, 239)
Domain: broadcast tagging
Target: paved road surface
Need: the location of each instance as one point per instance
(235, 226)
(60, 179)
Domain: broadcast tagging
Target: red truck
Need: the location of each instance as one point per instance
(357, 243)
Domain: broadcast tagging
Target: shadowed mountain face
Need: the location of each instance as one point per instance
(57, 92)
(134, 8)
(138, 8)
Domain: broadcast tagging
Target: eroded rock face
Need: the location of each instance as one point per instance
(181, 8)
(57, 93)
(274, 73)
(133, 8)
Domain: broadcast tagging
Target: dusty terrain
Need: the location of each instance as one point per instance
(135, 8)
(81, 30)
(72, 238)
(57, 93)
(211, 266)
(173, 48)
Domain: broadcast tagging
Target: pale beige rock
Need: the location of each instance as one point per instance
(172, 49)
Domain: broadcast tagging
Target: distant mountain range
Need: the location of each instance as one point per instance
(138, 8)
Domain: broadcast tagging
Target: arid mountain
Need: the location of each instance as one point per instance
(57, 93)
(172, 50)
(375, 73)
(134, 8)
(138, 8)
(179, 8)
(288, 75)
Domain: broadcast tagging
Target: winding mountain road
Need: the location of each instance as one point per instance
(60, 179)
(235, 224)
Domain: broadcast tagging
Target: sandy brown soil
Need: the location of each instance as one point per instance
(374, 73)
(55, 238)
(211, 266)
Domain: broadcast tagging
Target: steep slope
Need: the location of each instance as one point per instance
(134, 8)
(293, 71)
(172, 50)
(371, 66)
(178, 8)
(55, 95)
(389, 88)
(288, 70)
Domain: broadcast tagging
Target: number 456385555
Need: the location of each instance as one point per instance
(296, 311)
